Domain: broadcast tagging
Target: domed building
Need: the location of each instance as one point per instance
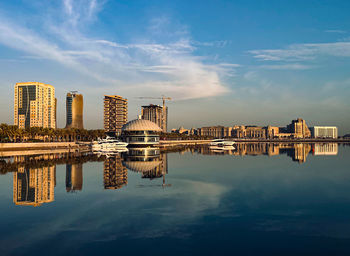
(141, 132)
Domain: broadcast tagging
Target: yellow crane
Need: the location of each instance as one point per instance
(163, 98)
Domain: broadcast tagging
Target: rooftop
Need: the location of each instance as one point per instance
(141, 125)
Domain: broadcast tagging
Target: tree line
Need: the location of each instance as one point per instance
(11, 133)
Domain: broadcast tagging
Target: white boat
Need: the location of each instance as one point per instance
(108, 144)
(221, 143)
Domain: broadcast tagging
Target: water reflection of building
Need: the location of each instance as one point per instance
(74, 177)
(297, 151)
(325, 149)
(148, 161)
(34, 186)
(115, 175)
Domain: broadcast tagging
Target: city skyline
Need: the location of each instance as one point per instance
(254, 64)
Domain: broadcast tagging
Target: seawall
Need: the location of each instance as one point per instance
(37, 145)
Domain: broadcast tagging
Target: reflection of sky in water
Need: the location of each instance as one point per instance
(215, 205)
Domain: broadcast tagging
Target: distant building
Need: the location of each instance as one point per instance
(215, 131)
(115, 114)
(34, 186)
(74, 177)
(255, 132)
(324, 132)
(141, 132)
(299, 129)
(35, 105)
(272, 132)
(156, 114)
(182, 130)
(74, 109)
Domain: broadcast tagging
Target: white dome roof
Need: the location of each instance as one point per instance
(141, 125)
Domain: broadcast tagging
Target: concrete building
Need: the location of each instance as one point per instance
(34, 186)
(299, 129)
(34, 105)
(141, 132)
(330, 132)
(272, 132)
(156, 114)
(115, 114)
(255, 132)
(74, 177)
(215, 131)
(252, 132)
(74, 110)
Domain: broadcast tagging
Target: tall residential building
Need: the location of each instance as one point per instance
(156, 114)
(34, 186)
(115, 114)
(35, 105)
(74, 107)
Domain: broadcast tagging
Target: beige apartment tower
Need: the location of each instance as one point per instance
(115, 114)
(74, 109)
(156, 114)
(35, 105)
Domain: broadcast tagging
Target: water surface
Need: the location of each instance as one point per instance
(258, 199)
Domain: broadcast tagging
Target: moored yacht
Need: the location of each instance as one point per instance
(108, 144)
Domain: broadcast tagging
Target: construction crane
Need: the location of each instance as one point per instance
(164, 98)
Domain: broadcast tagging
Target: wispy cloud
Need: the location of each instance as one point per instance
(292, 66)
(302, 52)
(152, 67)
(217, 43)
(337, 31)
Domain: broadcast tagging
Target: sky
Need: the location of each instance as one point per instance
(235, 62)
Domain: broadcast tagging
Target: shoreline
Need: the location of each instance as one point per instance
(163, 143)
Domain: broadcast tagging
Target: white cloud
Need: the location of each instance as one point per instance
(302, 52)
(152, 67)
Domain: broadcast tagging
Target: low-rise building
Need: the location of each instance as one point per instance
(141, 132)
(215, 131)
(324, 132)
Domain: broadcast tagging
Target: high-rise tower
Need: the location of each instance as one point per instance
(35, 105)
(74, 108)
(115, 114)
(155, 114)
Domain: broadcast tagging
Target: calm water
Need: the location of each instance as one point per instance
(259, 199)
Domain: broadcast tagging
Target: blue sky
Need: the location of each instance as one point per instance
(223, 62)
